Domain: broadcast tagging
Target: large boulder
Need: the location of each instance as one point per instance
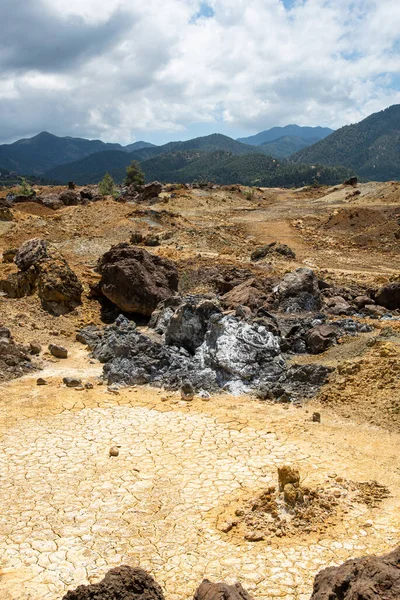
(299, 291)
(221, 591)
(59, 288)
(70, 198)
(320, 338)
(121, 583)
(389, 296)
(250, 293)
(31, 253)
(367, 578)
(187, 327)
(149, 191)
(135, 280)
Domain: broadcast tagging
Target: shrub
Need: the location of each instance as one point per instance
(134, 174)
(25, 189)
(107, 186)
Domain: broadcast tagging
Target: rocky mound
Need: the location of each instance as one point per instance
(15, 360)
(42, 269)
(121, 583)
(368, 578)
(135, 280)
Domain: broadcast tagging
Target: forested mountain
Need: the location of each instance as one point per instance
(306, 133)
(40, 153)
(285, 146)
(371, 147)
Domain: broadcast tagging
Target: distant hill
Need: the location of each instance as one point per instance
(43, 151)
(91, 169)
(286, 146)
(251, 169)
(269, 135)
(370, 148)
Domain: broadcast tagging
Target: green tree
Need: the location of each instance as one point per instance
(107, 186)
(25, 189)
(134, 174)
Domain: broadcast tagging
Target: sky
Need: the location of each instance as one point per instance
(161, 70)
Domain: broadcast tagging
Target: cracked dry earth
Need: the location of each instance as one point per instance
(69, 512)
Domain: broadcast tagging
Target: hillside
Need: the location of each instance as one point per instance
(91, 169)
(269, 135)
(286, 146)
(371, 147)
(224, 168)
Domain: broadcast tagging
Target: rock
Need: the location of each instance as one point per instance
(58, 351)
(14, 359)
(86, 194)
(72, 382)
(187, 391)
(316, 417)
(361, 301)
(19, 285)
(121, 583)
(59, 288)
(320, 338)
(352, 181)
(291, 494)
(41, 381)
(30, 253)
(114, 451)
(136, 237)
(35, 348)
(188, 325)
(151, 240)
(220, 591)
(250, 293)
(389, 296)
(70, 198)
(52, 201)
(6, 214)
(287, 474)
(374, 311)
(135, 280)
(299, 291)
(367, 578)
(89, 385)
(254, 536)
(273, 248)
(161, 317)
(9, 255)
(338, 306)
(149, 191)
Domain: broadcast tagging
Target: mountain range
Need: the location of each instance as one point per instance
(290, 155)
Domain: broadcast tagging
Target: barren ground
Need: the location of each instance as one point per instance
(69, 512)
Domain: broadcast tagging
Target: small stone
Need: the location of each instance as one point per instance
(41, 381)
(58, 351)
(187, 391)
(114, 451)
(35, 348)
(88, 385)
(226, 527)
(164, 398)
(72, 382)
(254, 536)
(113, 389)
(368, 524)
(316, 418)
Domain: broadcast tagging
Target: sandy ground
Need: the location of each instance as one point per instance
(69, 512)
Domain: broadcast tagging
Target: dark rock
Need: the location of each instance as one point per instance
(316, 417)
(299, 291)
(89, 335)
(31, 253)
(361, 301)
(86, 194)
(273, 248)
(352, 181)
(151, 240)
(121, 583)
(135, 280)
(59, 288)
(136, 237)
(41, 381)
(58, 351)
(72, 382)
(188, 325)
(187, 391)
(70, 198)
(71, 185)
(367, 578)
(374, 311)
(161, 317)
(221, 591)
(51, 201)
(14, 358)
(338, 306)
(250, 293)
(389, 296)
(149, 191)
(9, 255)
(19, 285)
(320, 338)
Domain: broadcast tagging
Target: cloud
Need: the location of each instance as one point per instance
(126, 69)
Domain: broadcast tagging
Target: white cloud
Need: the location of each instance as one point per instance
(141, 67)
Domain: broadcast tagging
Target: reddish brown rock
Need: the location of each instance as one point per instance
(135, 280)
(121, 583)
(367, 578)
(320, 338)
(389, 296)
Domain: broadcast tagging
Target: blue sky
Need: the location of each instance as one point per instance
(161, 70)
